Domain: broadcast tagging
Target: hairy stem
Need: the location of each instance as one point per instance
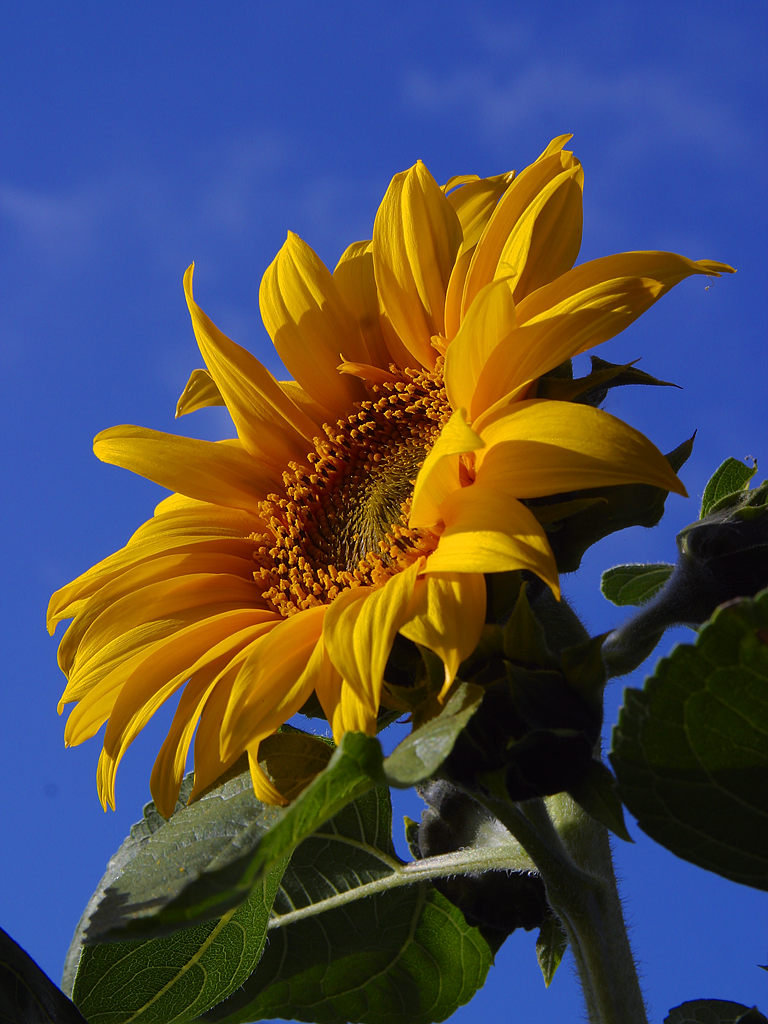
(572, 853)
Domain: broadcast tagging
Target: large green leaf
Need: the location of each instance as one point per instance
(27, 995)
(205, 859)
(146, 889)
(406, 954)
(690, 750)
(171, 980)
(714, 1011)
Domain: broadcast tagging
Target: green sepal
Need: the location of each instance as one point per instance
(635, 584)
(584, 669)
(27, 994)
(597, 792)
(690, 750)
(551, 944)
(714, 1011)
(592, 388)
(524, 638)
(411, 830)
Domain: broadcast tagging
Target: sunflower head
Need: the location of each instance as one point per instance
(366, 499)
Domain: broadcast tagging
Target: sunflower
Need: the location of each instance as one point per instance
(368, 495)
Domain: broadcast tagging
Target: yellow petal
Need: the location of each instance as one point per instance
(161, 660)
(488, 530)
(272, 684)
(268, 423)
(311, 326)
(662, 270)
(543, 447)
(226, 532)
(199, 393)
(581, 309)
(141, 574)
(455, 292)
(171, 761)
(359, 629)
(157, 678)
(511, 209)
(489, 322)
(356, 284)
(138, 622)
(439, 473)
(416, 236)
(546, 239)
(447, 616)
(474, 200)
(216, 471)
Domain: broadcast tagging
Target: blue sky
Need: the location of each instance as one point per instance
(139, 137)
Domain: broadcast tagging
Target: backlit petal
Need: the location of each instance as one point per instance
(359, 629)
(200, 392)
(310, 325)
(439, 473)
(543, 447)
(268, 423)
(416, 236)
(216, 471)
(272, 685)
(447, 616)
(488, 324)
(487, 530)
(512, 212)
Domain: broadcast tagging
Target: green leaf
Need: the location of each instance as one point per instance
(146, 890)
(422, 752)
(635, 584)
(405, 954)
(728, 478)
(27, 995)
(220, 851)
(614, 509)
(690, 750)
(172, 980)
(597, 792)
(714, 1011)
(551, 945)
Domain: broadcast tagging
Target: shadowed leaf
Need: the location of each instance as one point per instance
(690, 750)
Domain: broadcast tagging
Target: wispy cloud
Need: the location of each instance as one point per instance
(515, 77)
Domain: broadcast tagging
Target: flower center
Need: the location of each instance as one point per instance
(343, 521)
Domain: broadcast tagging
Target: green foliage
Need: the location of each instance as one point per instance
(27, 995)
(550, 947)
(690, 750)
(159, 878)
(732, 476)
(593, 388)
(422, 752)
(635, 584)
(405, 954)
(714, 1011)
(597, 793)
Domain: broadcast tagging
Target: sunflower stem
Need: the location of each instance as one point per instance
(573, 856)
